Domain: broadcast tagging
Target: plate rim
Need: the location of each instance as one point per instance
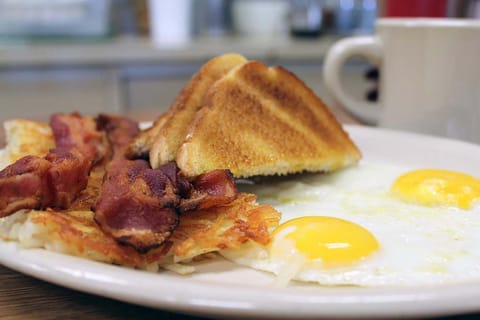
(248, 301)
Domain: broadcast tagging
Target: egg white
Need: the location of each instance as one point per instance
(419, 245)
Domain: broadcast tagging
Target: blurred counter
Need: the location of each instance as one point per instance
(127, 50)
(128, 74)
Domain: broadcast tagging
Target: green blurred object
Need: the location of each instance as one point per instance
(55, 18)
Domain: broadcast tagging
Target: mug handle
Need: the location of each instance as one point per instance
(368, 47)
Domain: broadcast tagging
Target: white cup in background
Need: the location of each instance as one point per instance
(429, 75)
(260, 17)
(170, 22)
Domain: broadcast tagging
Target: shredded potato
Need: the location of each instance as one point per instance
(75, 231)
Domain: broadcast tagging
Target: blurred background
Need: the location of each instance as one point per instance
(127, 56)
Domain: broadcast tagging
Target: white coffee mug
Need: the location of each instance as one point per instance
(429, 75)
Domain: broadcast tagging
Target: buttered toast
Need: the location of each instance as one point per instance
(264, 121)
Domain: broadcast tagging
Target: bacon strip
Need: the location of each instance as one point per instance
(139, 206)
(55, 180)
(211, 189)
(136, 204)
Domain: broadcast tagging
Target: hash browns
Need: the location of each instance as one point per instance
(75, 231)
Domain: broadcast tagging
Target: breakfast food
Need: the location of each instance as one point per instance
(438, 187)
(208, 223)
(267, 122)
(161, 141)
(140, 206)
(250, 119)
(56, 179)
(141, 145)
(76, 192)
(371, 225)
(93, 193)
(25, 137)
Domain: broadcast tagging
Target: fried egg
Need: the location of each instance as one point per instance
(433, 187)
(371, 225)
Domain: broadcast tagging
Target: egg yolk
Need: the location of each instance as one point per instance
(435, 187)
(336, 242)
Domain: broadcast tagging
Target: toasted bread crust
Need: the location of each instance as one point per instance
(184, 107)
(141, 145)
(264, 121)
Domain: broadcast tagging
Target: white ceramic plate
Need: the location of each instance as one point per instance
(222, 289)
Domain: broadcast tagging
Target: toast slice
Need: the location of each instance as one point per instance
(263, 121)
(141, 145)
(165, 137)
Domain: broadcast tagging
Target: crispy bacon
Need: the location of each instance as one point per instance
(136, 204)
(211, 189)
(55, 180)
(139, 206)
(76, 132)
